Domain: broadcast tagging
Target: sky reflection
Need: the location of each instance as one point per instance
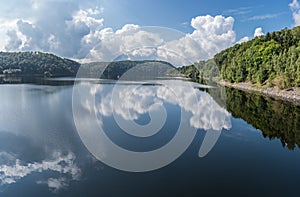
(132, 101)
(33, 139)
(13, 169)
(124, 105)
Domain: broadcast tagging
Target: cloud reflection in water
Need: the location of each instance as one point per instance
(99, 108)
(12, 169)
(132, 101)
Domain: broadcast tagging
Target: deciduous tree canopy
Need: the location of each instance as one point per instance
(272, 59)
(36, 63)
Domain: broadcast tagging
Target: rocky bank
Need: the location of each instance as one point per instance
(290, 94)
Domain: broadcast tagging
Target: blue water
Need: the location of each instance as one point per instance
(46, 148)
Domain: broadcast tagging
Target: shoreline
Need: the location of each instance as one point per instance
(290, 94)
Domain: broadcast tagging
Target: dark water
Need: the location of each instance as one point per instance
(49, 142)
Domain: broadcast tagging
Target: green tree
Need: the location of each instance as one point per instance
(271, 58)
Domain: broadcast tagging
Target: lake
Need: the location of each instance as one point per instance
(164, 137)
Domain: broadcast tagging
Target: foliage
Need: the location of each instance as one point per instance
(138, 69)
(272, 59)
(45, 64)
(36, 63)
(189, 71)
(202, 69)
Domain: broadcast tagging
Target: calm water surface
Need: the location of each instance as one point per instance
(43, 151)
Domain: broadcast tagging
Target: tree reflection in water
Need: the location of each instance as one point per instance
(275, 118)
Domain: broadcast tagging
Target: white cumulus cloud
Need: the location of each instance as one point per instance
(295, 7)
(258, 32)
(109, 44)
(213, 33)
(210, 36)
(73, 29)
(50, 25)
(243, 39)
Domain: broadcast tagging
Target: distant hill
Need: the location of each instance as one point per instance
(269, 60)
(37, 64)
(202, 69)
(132, 69)
(46, 64)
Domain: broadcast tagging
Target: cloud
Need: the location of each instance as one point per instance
(295, 7)
(72, 29)
(184, 24)
(238, 11)
(110, 44)
(14, 41)
(210, 36)
(84, 17)
(244, 39)
(262, 17)
(213, 34)
(59, 30)
(258, 32)
(8, 28)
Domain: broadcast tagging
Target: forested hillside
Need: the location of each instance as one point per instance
(45, 64)
(138, 69)
(269, 60)
(36, 63)
(202, 69)
(272, 59)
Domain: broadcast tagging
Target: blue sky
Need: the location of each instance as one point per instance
(103, 29)
(269, 14)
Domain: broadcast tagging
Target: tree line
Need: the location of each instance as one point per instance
(272, 60)
(269, 60)
(133, 69)
(46, 64)
(36, 63)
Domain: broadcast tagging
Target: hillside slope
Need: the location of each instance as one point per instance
(36, 63)
(270, 60)
(133, 69)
